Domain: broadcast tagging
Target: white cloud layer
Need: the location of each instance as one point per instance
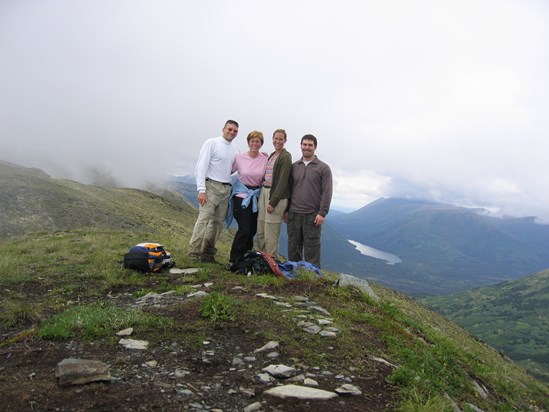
(445, 100)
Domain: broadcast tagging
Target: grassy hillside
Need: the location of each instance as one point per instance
(511, 316)
(64, 294)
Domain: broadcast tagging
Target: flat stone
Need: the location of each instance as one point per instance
(268, 346)
(473, 407)
(188, 271)
(151, 364)
(324, 322)
(300, 392)
(134, 344)
(280, 371)
(297, 378)
(361, 284)
(199, 294)
(249, 392)
(81, 371)
(310, 382)
(314, 329)
(125, 332)
(348, 389)
(481, 390)
(332, 329)
(381, 360)
(252, 407)
(320, 310)
(284, 304)
(266, 296)
(327, 334)
(264, 377)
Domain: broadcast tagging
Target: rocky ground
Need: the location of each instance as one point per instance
(231, 369)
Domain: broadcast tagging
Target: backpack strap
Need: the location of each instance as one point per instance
(273, 265)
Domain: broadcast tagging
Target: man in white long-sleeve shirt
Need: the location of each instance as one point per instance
(213, 182)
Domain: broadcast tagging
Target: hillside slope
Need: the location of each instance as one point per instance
(31, 201)
(512, 316)
(63, 295)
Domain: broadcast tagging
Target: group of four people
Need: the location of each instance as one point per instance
(263, 191)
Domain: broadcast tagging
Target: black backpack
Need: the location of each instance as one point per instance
(148, 257)
(255, 262)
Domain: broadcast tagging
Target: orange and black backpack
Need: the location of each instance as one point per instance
(148, 257)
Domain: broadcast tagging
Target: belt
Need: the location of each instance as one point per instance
(216, 181)
(268, 187)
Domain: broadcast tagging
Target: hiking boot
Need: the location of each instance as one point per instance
(195, 257)
(209, 259)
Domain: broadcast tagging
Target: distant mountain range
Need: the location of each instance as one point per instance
(445, 248)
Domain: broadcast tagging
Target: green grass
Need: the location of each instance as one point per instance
(219, 307)
(19, 312)
(96, 321)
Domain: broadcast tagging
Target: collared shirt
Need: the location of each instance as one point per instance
(214, 161)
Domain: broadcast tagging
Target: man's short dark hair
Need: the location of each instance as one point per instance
(309, 137)
(234, 122)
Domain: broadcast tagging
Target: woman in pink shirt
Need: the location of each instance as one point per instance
(250, 166)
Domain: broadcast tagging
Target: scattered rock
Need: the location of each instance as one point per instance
(81, 371)
(134, 344)
(252, 407)
(188, 271)
(348, 389)
(300, 392)
(199, 294)
(381, 360)
(268, 346)
(481, 390)
(249, 392)
(310, 382)
(473, 407)
(313, 329)
(264, 377)
(280, 371)
(125, 332)
(362, 284)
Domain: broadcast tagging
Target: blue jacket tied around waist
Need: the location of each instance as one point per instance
(238, 188)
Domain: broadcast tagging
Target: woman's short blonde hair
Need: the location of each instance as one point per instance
(254, 134)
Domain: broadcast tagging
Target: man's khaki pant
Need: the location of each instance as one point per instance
(211, 217)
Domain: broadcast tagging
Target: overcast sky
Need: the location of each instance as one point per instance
(433, 99)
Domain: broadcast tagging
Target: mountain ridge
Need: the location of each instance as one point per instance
(448, 244)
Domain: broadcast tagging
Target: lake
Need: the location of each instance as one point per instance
(375, 253)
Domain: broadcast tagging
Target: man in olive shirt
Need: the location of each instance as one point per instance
(310, 200)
